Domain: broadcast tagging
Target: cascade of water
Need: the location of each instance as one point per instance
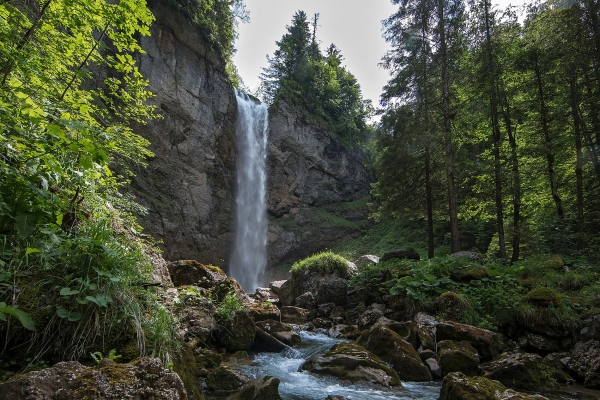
(249, 253)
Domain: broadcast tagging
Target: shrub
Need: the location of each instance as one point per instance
(323, 263)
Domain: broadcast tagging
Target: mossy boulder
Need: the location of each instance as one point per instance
(191, 272)
(260, 311)
(584, 361)
(469, 255)
(520, 371)
(543, 297)
(143, 378)
(466, 275)
(458, 386)
(554, 262)
(224, 380)
(451, 306)
(392, 348)
(353, 363)
(487, 343)
(457, 357)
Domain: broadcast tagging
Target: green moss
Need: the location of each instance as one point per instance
(324, 263)
(543, 296)
(554, 262)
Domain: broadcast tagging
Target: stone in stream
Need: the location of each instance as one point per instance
(401, 355)
(145, 378)
(260, 311)
(224, 380)
(457, 357)
(520, 371)
(265, 342)
(458, 386)
(294, 315)
(281, 331)
(238, 333)
(266, 388)
(487, 343)
(353, 363)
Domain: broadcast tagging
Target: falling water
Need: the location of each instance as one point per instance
(249, 254)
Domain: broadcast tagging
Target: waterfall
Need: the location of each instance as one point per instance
(249, 257)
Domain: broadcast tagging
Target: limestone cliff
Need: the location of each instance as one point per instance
(313, 185)
(317, 188)
(188, 186)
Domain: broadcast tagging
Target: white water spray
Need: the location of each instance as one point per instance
(249, 257)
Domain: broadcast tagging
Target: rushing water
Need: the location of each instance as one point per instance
(248, 260)
(297, 385)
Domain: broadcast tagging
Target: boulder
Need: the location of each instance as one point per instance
(191, 272)
(323, 310)
(543, 297)
(543, 345)
(520, 371)
(331, 289)
(340, 331)
(275, 286)
(426, 326)
(488, 344)
(457, 357)
(353, 363)
(196, 316)
(280, 331)
(466, 275)
(451, 306)
(294, 315)
(224, 380)
(401, 254)
(390, 347)
(260, 311)
(369, 318)
(584, 361)
(145, 378)
(591, 331)
(322, 323)
(206, 358)
(458, 386)
(407, 329)
(238, 333)
(266, 388)
(434, 368)
(366, 260)
(306, 301)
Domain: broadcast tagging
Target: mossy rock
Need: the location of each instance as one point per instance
(543, 297)
(456, 356)
(467, 275)
(225, 380)
(353, 363)
(206, 358)
(520, 371)
(451, 306)
(458, 386)
(527, 282)
(554, 262)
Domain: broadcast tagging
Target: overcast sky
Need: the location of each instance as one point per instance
(353, 25)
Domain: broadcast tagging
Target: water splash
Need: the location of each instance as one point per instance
(249, 257)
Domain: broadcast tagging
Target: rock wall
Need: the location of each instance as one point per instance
(315, 188)
(188, 186)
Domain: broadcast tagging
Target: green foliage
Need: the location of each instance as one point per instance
(228, 307)
(323, 90)
(326, 262)
(70, 91)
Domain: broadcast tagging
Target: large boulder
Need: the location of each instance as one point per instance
(458, 386)
(426, 327)
(260, 311)
(331, 290)
(584, 361)
(191, 272)
(390, 347)
(238, 333)
(353, 363)
(225, 380)
(591, 331)
(264, 341)
(457, 357)
(144, 378)
(520, 371)
(266, 388)
(294, 315)
(488, 344)
(196, 316)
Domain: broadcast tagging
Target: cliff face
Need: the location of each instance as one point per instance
(188, 186)
(317, 188)
(314, 183)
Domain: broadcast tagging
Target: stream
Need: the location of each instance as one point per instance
(296, 385)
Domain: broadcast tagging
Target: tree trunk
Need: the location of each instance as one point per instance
(514, 159)
(448, 130)
(579, 164)
(430, 243)
(547, 140)
(493, 87)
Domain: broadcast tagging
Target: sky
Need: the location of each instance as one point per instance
(353, 25)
